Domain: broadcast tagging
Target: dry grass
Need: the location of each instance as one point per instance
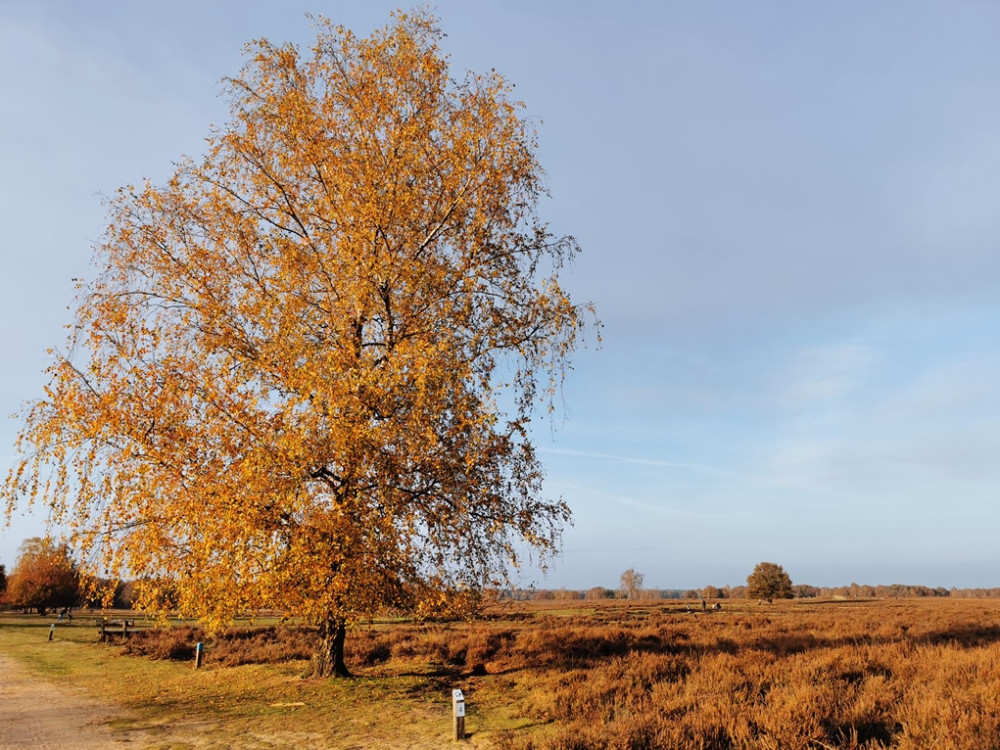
(236, 647)
(617, 676)
(794, 676)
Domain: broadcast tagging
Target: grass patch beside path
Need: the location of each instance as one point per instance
(253, 706)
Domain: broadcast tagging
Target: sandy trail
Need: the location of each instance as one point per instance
(44, 714)
(39, 714)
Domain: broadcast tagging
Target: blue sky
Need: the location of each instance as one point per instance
(790, 223)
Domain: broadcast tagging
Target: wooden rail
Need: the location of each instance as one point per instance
(106, 628)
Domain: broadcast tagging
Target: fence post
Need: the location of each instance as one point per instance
(104, 624)
(198, 650)
(458, 713)
(52, 630)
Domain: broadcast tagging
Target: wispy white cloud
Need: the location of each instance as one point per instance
(637, 460)
(823, 373)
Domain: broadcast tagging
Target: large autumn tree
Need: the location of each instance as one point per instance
(304, 374)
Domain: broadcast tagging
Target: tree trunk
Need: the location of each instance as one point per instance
(328, 661)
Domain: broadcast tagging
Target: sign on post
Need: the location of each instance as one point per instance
(458, 712)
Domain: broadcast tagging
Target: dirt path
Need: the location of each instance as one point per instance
(43, 715)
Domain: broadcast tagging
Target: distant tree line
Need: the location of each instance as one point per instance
(710, 592)
(45, 577)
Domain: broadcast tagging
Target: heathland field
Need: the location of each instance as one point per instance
(806, 674)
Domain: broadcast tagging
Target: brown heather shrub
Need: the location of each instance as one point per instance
(370, 647)
(846, 675)
(176, 644)
(264, 645)
(269, 645)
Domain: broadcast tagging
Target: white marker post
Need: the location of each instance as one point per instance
(458, 711)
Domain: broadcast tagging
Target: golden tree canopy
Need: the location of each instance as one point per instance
(304, 374)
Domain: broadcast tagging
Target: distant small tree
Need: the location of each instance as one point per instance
(805, 591)
(45, 576)
(567, 594)
(631, 584)
(769, 581)
(711, 592)
(599, 592)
